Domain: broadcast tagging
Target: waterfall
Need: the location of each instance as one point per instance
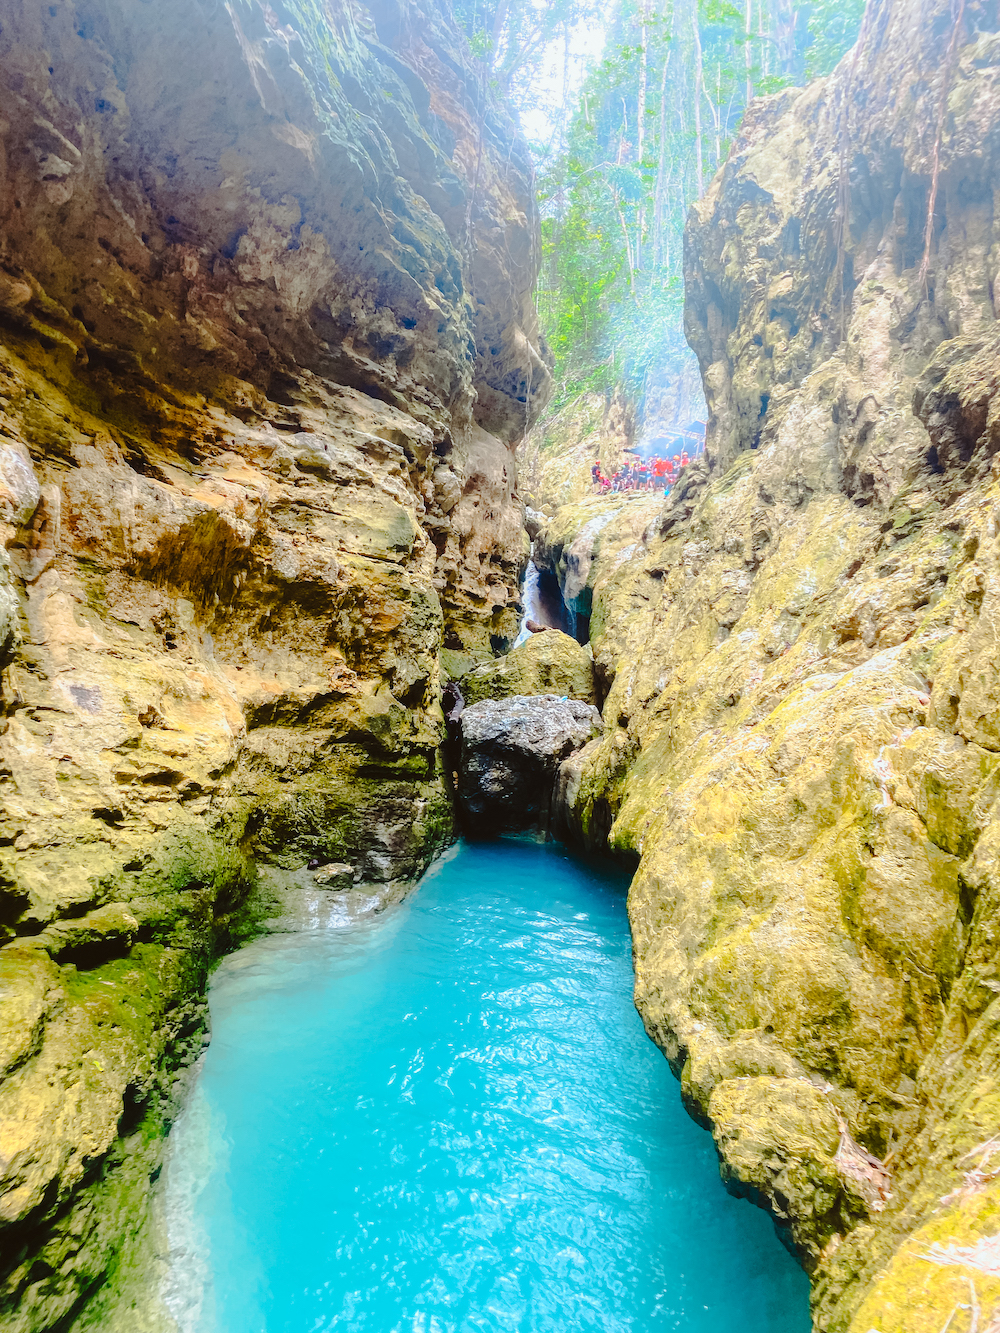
(542, 603)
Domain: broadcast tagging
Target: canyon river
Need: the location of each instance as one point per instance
(449, 1118)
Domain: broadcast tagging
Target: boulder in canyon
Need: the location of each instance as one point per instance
(547, 662)
(511, 752)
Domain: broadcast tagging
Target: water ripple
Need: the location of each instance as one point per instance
(451, 1120)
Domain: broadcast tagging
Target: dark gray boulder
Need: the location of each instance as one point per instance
(511, 752)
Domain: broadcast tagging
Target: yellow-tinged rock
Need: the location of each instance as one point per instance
(945, 1275)
(549, 662)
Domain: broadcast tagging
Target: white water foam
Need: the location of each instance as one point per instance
(190, 1164)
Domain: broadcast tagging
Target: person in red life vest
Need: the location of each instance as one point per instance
(659, 470)
(684, 458)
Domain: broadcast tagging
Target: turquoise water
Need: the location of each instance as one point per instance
(450, 1119)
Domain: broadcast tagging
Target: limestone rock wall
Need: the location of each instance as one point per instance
(547, 662)
(801, 730)
(266, 345)
(576, 546)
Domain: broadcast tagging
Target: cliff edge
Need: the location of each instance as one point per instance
(799, 652)
(266, 345)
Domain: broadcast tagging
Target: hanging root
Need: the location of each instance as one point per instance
(949, 65)
(865, 1174)
(843, 181)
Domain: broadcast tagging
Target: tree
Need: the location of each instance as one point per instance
(651, 125)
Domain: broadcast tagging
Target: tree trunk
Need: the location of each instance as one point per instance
(661, 175)
(499, 19)
(698, 89)
(640, 142)
(717, 115)
(628, 241)
(785, 34)
(764, 45)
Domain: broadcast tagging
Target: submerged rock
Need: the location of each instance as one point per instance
(549, 662)
(511, 752)
(337, 875)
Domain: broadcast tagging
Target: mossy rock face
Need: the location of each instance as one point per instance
(103, 1011)
(798, 653)
(778, 1139)
(571, 543)
(945, 1275)
(549, 662)
(256, 479)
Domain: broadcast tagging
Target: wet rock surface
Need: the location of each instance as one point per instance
(570, 544)
(266, 345)
(511, 752)
(803, 709)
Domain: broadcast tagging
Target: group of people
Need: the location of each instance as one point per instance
(645, 474)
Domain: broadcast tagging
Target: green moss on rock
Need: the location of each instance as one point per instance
(549, 662)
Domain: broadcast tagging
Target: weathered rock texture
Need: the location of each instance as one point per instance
(803, 726)
(548, 662)
(511, 752)
(568, 547)
(556, 458)
(266, 343)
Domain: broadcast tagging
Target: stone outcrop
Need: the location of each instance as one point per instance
(803, 719)
(568, 547)
(266, 345)
(548, 662)
(511, 752)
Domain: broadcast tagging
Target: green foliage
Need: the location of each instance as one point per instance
(833, 26)
(513, 38)
(719, 13)
(652, 123)
(654, 120)
(481, 43)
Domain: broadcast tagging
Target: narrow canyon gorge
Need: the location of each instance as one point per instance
(270, 372)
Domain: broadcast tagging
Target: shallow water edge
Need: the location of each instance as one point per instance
(563, 1059)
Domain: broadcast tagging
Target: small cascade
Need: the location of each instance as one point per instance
(542, 603)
